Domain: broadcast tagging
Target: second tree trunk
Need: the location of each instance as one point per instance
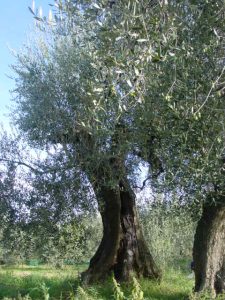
(209, 247)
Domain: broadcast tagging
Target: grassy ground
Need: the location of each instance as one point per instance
(62, 284)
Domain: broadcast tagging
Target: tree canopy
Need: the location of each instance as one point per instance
(141, 79)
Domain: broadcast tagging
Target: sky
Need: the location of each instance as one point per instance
(16, 22)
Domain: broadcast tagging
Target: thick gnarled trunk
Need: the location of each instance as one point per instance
(123, 250)
(209, 248)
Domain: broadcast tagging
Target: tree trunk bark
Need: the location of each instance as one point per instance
(209, 247)
(123, 250)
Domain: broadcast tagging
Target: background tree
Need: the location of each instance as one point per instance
(43, 216)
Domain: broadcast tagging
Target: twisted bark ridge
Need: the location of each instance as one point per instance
(209, 248)
(123, 250)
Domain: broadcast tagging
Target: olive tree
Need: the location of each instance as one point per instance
(112, 83)
(67, 99)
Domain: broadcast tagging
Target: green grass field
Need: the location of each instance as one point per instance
(62, 284)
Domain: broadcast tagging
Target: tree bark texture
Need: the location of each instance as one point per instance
(123, 250)
(209, 248)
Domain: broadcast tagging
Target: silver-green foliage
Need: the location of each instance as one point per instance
(155, 67)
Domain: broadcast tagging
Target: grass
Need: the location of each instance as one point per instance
(28, 280)
(61, 284)
(175, 285)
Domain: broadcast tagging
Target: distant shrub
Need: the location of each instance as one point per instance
(169, 232)
(33, 262)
